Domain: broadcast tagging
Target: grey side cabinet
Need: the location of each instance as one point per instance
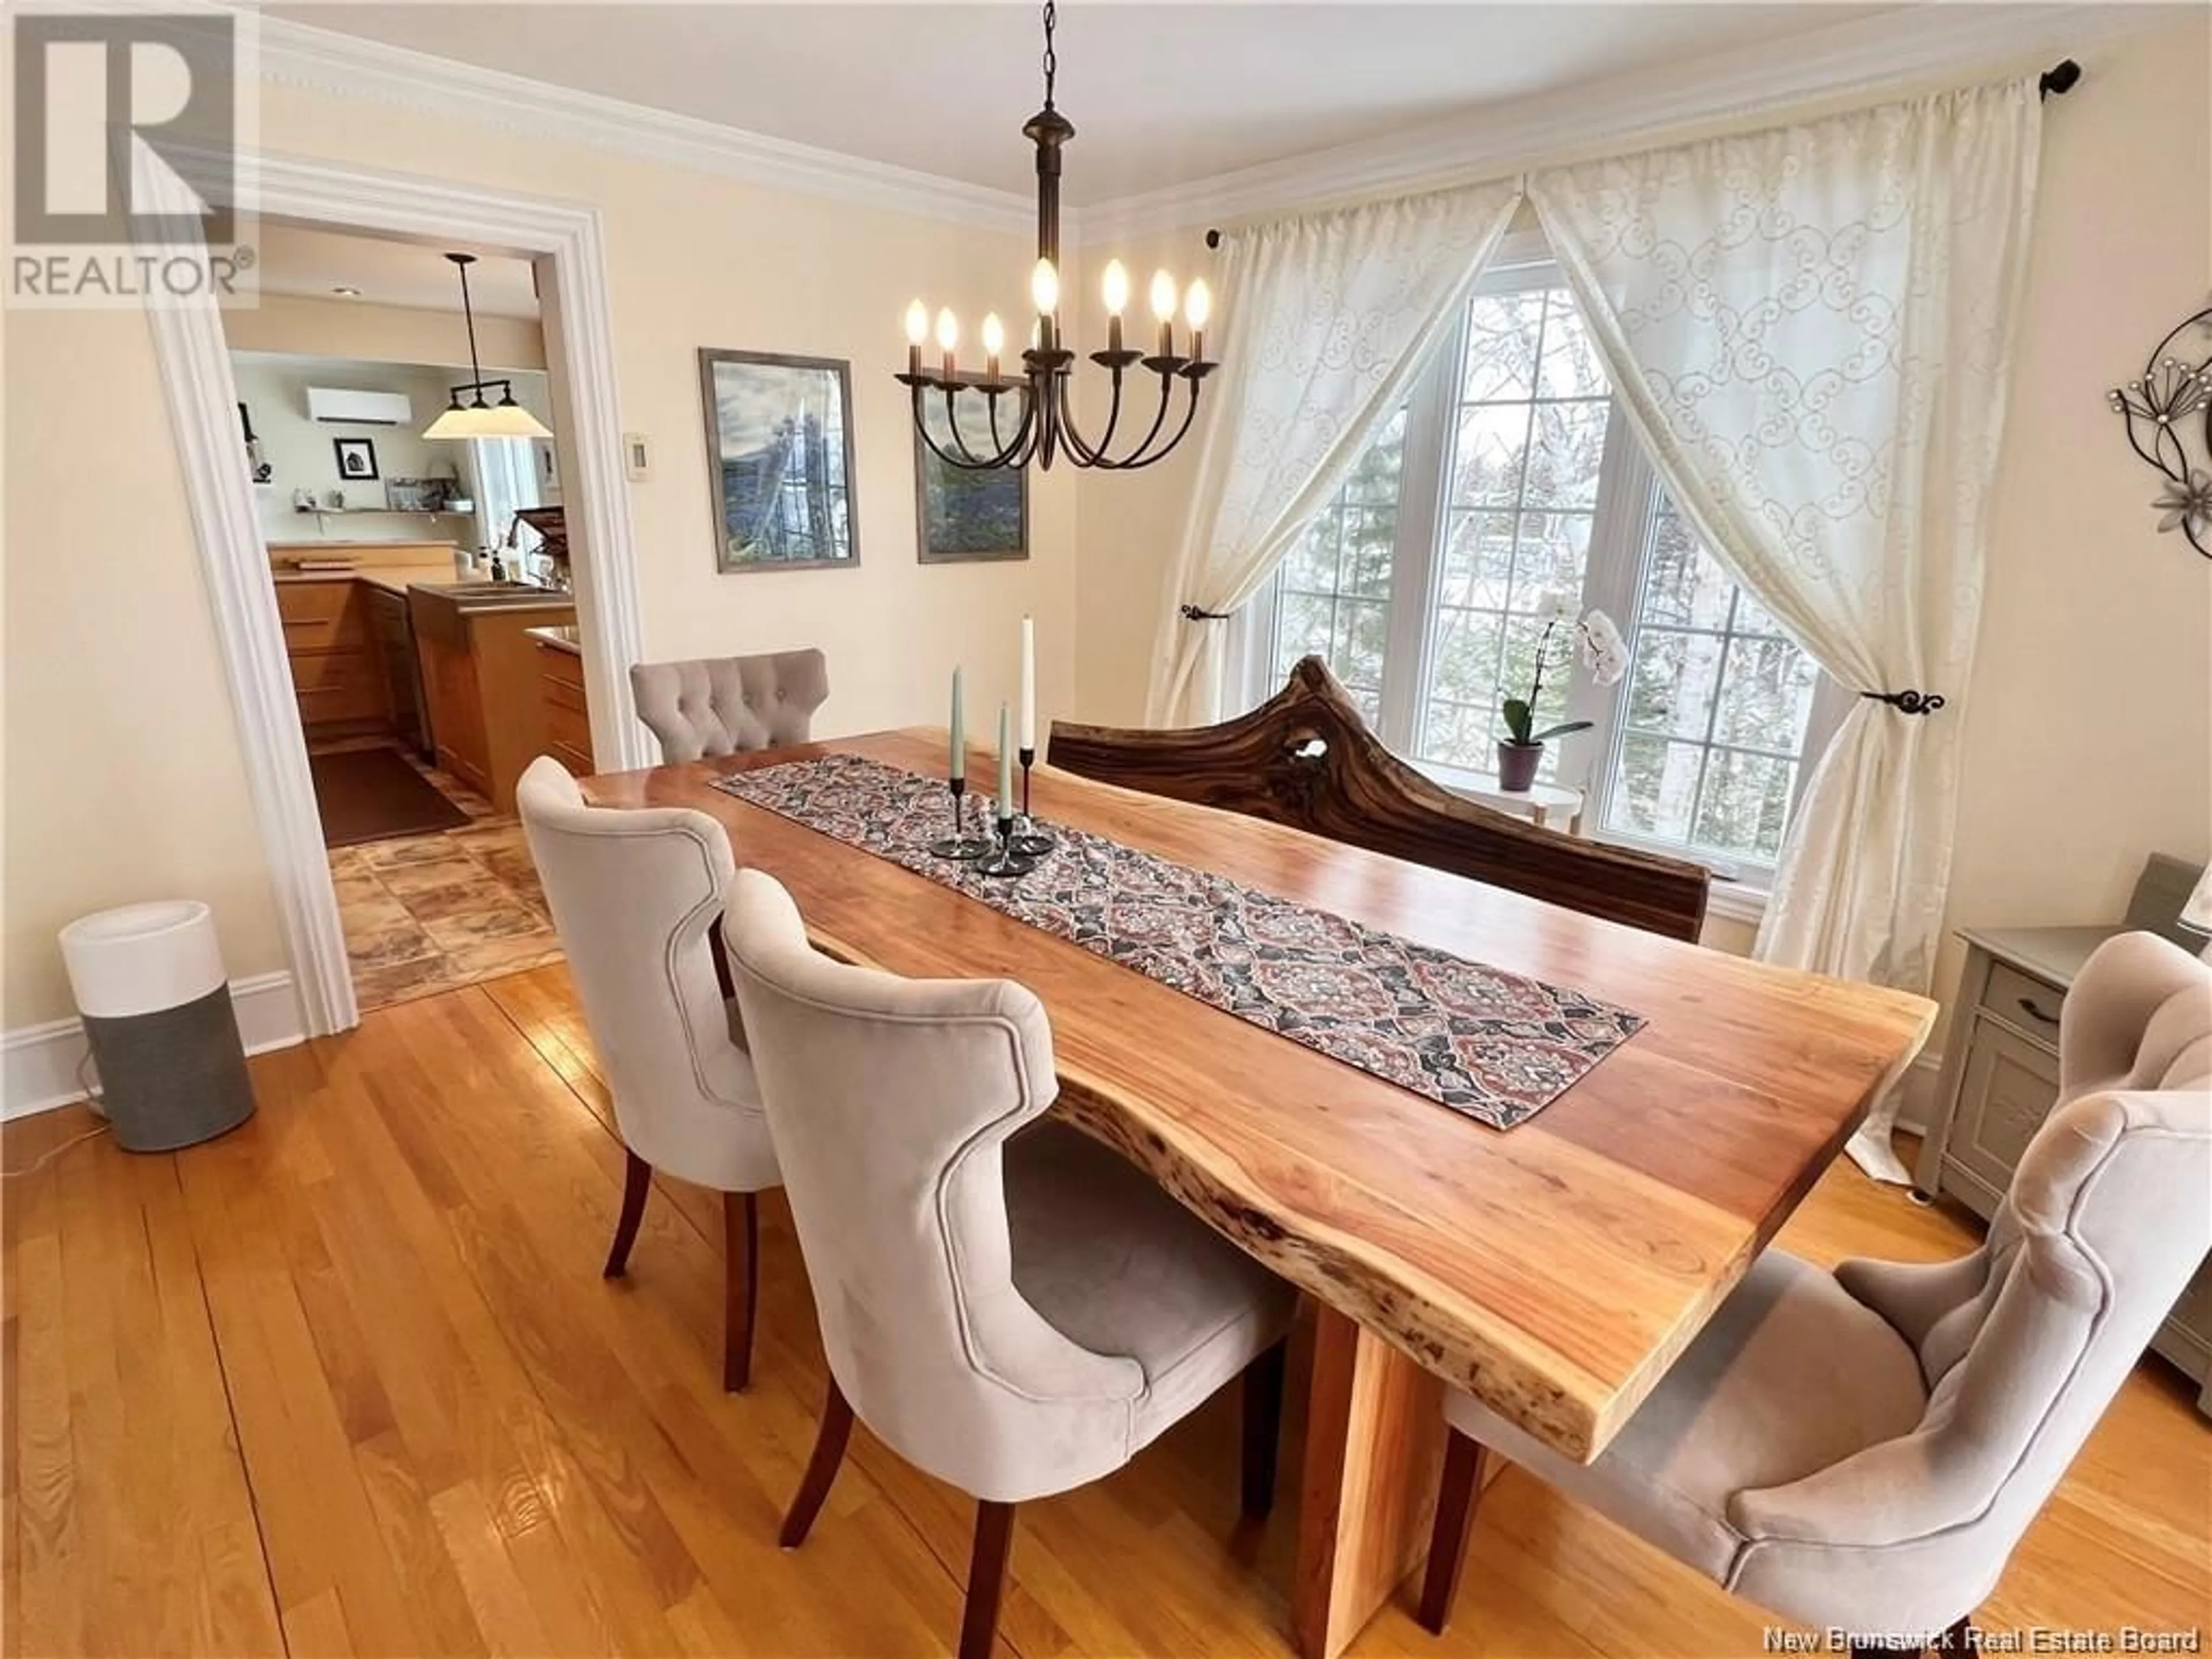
(2001, 1080)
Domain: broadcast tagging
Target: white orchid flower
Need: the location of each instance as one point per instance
(1604, 652)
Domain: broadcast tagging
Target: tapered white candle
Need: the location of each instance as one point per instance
(1006, 769)
(1029, 686)
(958, 773)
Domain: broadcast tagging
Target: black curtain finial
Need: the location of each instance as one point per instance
(2059, 79)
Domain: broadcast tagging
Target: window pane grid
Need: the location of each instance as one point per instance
(1530, 484)
(1333, 593)
(1704, 789)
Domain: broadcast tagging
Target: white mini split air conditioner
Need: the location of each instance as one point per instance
(359, 408)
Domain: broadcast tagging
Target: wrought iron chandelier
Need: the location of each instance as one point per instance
(1041, 424)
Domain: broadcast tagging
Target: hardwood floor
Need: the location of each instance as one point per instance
(349, 1380)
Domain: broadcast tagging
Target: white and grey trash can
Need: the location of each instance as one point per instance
(149, 981)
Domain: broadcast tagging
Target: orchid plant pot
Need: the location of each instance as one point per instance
(1516, 765)
(1604, 652)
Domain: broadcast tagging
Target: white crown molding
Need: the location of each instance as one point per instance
(40, 1064)
(298, 54)
(1893, 50)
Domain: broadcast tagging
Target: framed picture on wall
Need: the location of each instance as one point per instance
(357, 457)
(780, 461)
(962, 513)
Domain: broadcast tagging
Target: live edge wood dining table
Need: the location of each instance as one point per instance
(1554, 1270)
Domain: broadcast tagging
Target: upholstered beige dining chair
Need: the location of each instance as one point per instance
(730, 705)
(1861, 1450)
(633, 895)
(1006, 1305)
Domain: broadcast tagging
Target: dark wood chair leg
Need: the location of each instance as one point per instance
(821, 1468)
(741, 1247)
(637, 1181)
(1456, 1502)
(987, 1578)
(1264, 1381)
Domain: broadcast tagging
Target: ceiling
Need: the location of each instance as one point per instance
(1161, 95)
(294, 259)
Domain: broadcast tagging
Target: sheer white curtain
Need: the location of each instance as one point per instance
(1328, 317)
(1810, 327)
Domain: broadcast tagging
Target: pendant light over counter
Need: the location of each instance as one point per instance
(478, 418)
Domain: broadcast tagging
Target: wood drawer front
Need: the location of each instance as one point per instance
(2009, 1088)
(2024, 1001)
(322, 616)
(567, 726)
(320, 672)
(562, 694)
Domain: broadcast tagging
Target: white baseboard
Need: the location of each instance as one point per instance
(40, 1064)
(1916, 1109)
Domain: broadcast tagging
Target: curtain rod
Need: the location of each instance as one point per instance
(2061, 78)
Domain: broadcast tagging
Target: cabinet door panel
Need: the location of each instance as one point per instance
(2011, 1084)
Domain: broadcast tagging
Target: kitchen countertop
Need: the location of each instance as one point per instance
(391, 578)
(354, 544)
(569, 639)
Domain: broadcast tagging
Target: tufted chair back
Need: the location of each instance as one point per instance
(730, 705)
(2023, 1343)
(891, 1102)
(633, 895)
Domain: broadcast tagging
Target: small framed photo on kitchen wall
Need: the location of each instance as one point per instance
(356, 458)
(964, 512)
(780, 461)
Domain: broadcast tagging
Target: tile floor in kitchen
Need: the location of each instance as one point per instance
(428, 913)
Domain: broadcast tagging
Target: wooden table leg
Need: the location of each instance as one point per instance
(1375, 1433)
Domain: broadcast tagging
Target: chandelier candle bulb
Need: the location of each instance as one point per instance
(948, 337)
(917, 331)
(1163, 307)
(995, 341)
(1115, 287)
(1197, 310)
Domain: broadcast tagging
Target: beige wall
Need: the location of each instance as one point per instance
(2088, 738)
(122, 774)
(380, 334)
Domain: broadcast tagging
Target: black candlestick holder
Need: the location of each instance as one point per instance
(1005, 857)
(959, 844)
(1028, 839)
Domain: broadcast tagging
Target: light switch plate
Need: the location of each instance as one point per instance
(637, 457)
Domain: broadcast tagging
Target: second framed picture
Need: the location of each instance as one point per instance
(780, 461)
(965, 513)
(357, 457)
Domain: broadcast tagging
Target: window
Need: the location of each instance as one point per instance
(1509, 483)
(1333, 594)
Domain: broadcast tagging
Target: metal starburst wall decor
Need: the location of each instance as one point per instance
(2169, 407)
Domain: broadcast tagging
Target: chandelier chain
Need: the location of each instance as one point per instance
(1051, 58)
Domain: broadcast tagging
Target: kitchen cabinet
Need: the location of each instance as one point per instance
(480, 680)
(337, 676)
(564, 707)
(402, 676)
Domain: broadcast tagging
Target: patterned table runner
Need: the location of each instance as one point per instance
(1498, 1047)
